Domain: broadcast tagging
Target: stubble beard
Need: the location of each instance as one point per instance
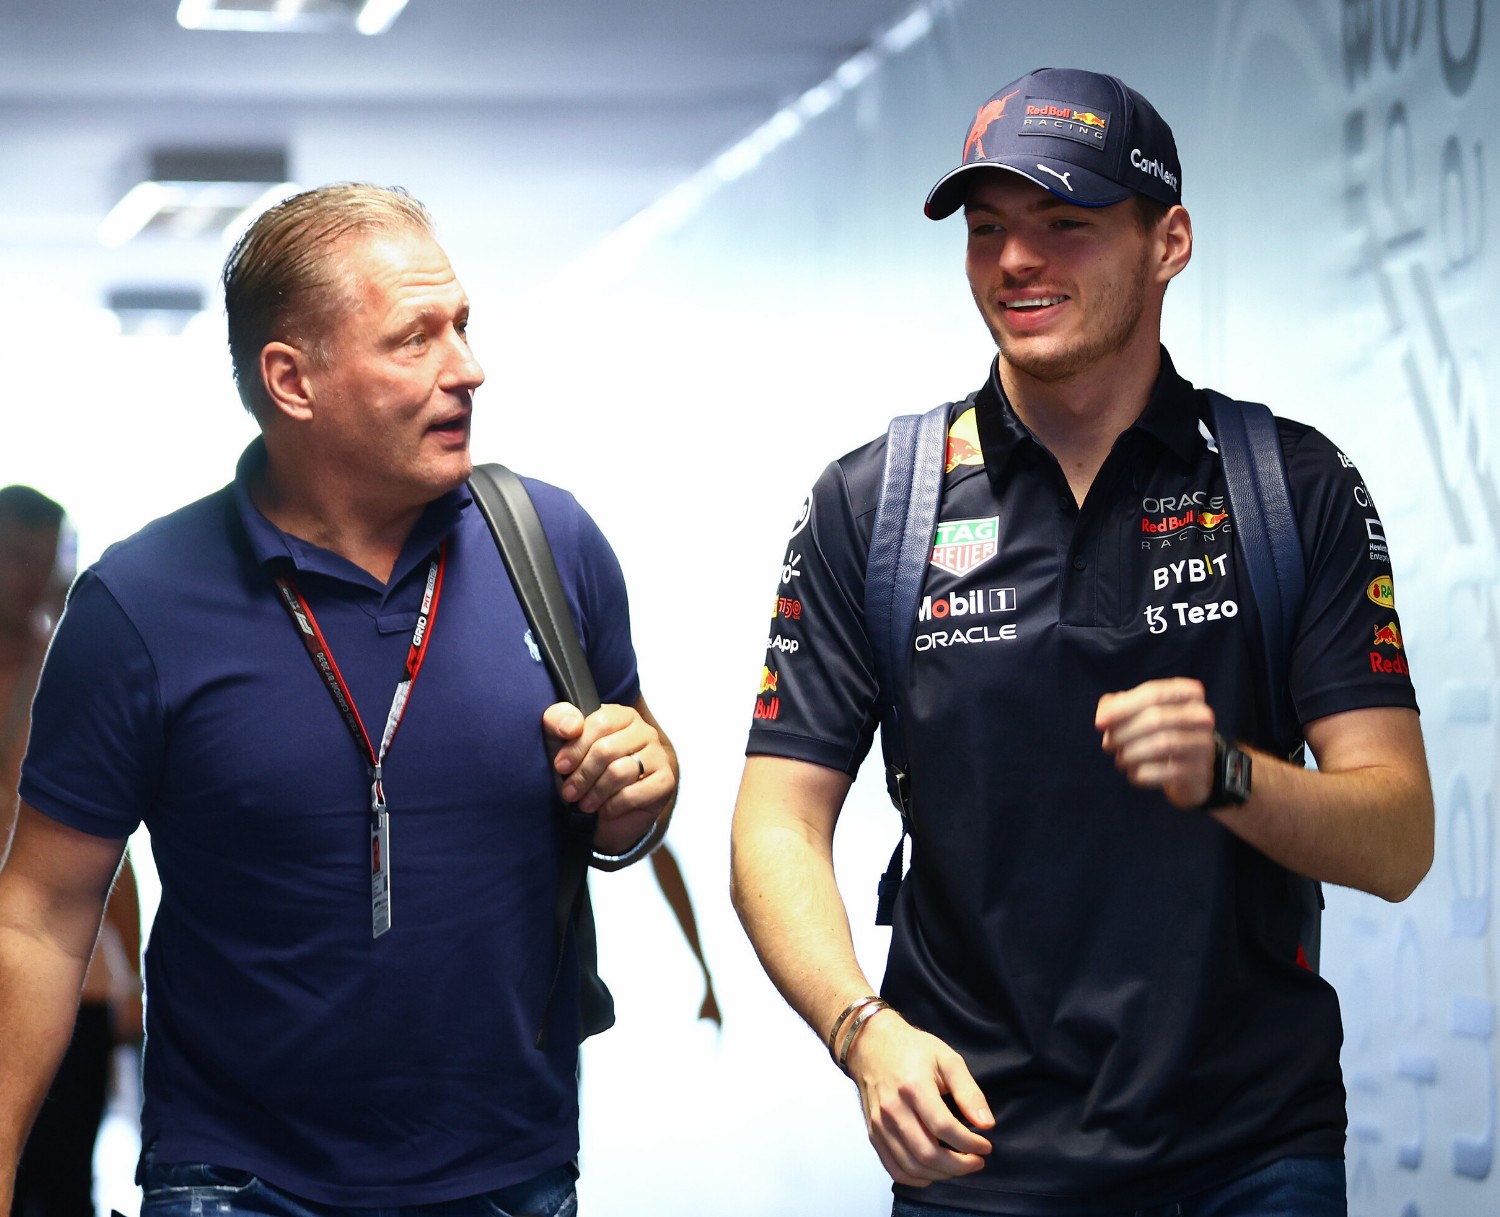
(1121, 305)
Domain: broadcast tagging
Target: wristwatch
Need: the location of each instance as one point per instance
(1231, 775)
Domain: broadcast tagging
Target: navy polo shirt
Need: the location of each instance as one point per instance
(1120, 976)
(282, 1038)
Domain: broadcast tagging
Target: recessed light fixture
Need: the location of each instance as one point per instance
(191, 193)
(289, 16)
(154, 311)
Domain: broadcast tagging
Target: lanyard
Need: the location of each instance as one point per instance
(322, 657)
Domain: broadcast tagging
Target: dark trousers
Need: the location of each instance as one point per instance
(56, 1174)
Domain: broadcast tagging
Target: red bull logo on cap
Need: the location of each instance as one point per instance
(991, 111)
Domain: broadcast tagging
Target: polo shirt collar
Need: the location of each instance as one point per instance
(270, 544)
(1171, 417)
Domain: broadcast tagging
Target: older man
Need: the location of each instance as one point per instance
(354, 948)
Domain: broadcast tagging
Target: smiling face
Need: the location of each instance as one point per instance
(1064, 289)
(392, 393)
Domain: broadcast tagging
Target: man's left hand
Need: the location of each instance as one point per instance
(615, 764)
(1161, 735)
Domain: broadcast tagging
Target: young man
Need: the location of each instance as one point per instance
(354, 949)
(1095, 999)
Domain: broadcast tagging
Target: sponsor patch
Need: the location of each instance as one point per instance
(991, 111)
(938, 639)
(961, 546)
(804, 514)
(1394, 666)
(963, 442)
(788, 607)
(1382, 591)
(1171, 524)
(1388, 635)
(767, 704)
(968, 604)
(1046, 116)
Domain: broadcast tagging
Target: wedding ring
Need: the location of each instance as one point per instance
(640, 766)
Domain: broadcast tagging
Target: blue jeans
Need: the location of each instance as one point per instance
(196, 1189)
(1293, 1187)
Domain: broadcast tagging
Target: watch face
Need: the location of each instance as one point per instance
(1236, 774)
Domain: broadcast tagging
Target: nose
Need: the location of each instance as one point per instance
(1020, 257)
(463, 369)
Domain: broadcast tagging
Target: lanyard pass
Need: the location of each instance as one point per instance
(322, 657)
(380, 858)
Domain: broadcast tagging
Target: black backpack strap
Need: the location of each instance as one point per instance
(523, 545)
(1265, 523)
(911, 490)
(1266, 526)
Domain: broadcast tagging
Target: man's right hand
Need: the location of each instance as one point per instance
(903, 1076)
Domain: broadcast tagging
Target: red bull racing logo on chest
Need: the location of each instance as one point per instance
(961, 546)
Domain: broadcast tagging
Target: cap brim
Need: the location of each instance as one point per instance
(1067, 182)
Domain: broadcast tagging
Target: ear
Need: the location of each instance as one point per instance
(1175, 235)
(284, 371)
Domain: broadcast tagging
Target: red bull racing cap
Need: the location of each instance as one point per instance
(1088, 138)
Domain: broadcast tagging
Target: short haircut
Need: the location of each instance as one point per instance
(30, 508)
(1149, 212)
(281, 280)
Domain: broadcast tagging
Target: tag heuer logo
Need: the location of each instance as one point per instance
(962, 545)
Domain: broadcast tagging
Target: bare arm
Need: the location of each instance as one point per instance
(123, 914)
(596, 760)
(52, 892)
(785, 893)
(1363, 819)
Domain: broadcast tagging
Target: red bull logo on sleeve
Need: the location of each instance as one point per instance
(961, 546)
(1388, 635)
(1382, 591)
(768, 707)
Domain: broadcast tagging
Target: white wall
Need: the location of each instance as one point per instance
(1345, 271)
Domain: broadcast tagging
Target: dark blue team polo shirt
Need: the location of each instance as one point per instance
(282, 1038)
(1120, 976)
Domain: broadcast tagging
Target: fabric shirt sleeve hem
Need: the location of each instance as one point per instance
(801, 748)
(57, 807)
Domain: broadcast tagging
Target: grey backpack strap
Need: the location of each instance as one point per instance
(1265, 524)
(911, 490)
(523, 545)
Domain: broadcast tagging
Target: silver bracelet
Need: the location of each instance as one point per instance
(860, 1019)
(636, 852)
(859, 1003)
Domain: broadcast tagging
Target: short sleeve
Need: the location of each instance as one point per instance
(1350, 652)
(95, 754)
(816, 696)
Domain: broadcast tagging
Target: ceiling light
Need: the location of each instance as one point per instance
(192, 193)
(289, 16)
(154, 311)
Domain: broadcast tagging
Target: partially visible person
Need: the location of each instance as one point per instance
(55, 1178)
